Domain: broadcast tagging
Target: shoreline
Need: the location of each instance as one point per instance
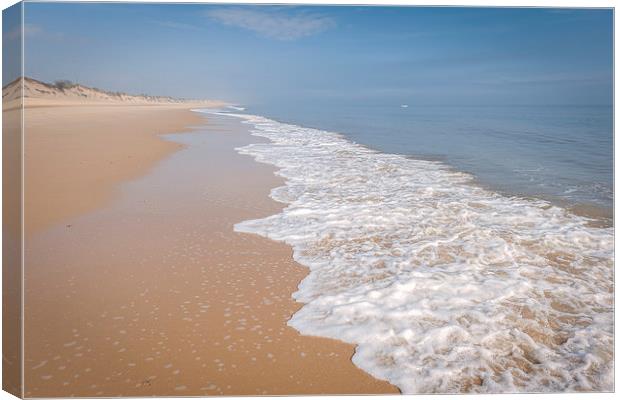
(144, 297)
(384, 260)
(95, 282)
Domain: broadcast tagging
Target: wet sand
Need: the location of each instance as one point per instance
(11, 251)
(151, 292)
(75, 156)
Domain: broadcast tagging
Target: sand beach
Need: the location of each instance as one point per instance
(136, 283)
(229, 199)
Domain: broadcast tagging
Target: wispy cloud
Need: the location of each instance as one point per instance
(275, 24)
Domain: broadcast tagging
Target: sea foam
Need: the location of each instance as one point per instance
(442, 285)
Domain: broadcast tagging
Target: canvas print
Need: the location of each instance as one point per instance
(232, 199)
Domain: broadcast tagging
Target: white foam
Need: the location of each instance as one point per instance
(442, 285)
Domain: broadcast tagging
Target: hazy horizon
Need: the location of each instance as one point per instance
(341, 54)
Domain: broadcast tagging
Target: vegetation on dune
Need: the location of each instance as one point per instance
(64, 84)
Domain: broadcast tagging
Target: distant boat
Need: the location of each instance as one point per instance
(404, 105)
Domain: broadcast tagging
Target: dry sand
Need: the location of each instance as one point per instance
(143, 288)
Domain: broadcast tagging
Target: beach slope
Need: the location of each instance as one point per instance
(137, 284)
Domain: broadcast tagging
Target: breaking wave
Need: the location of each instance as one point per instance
(443, 286)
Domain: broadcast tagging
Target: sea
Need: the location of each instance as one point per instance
(559, 153)
(441, 241)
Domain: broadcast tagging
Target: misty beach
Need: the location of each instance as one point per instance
(273, 200)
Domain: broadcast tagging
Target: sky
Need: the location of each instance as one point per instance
(270, 54)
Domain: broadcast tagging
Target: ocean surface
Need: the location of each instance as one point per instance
(443, 278)
(560, 153)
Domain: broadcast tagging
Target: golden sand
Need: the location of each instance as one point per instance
(11, 251)
(75, 156)
(143, 288)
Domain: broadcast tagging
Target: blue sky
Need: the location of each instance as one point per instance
(254, 55)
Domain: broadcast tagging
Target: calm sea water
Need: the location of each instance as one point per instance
(562, 153)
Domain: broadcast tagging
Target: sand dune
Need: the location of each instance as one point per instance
(39, 94)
